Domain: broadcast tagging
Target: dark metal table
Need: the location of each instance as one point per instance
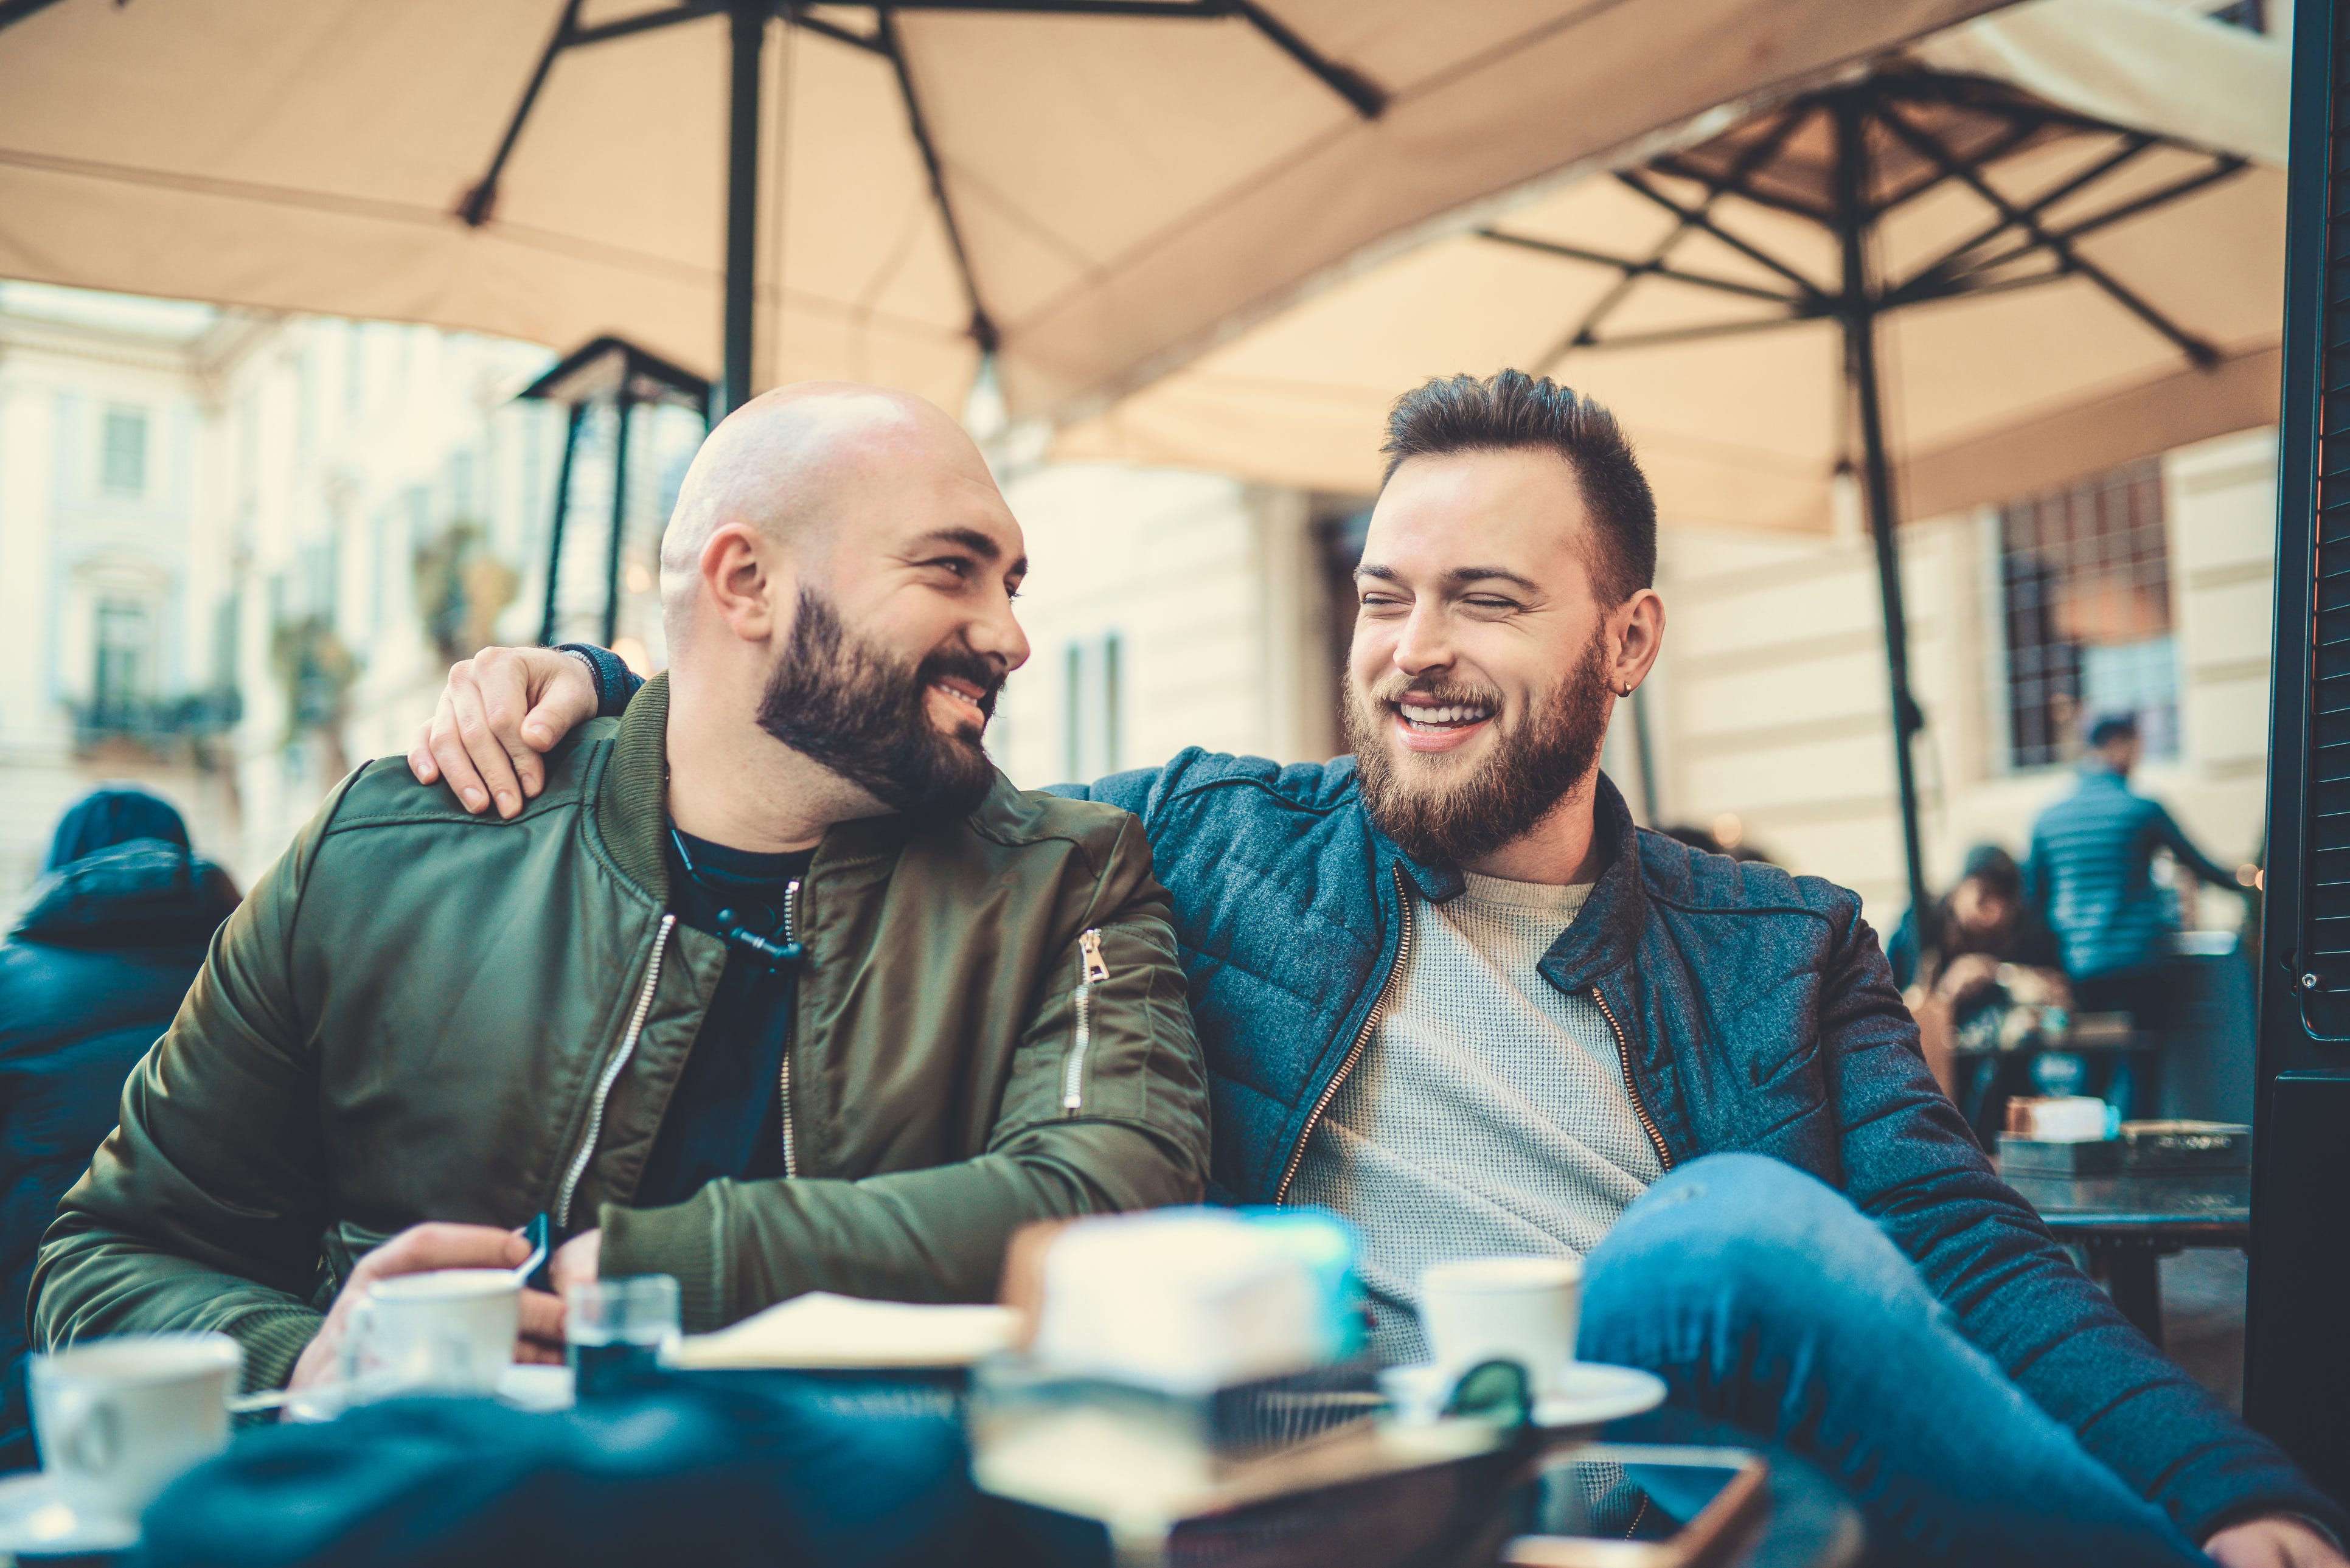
(2127, 1224)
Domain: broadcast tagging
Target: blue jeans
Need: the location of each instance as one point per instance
(1763, 1298)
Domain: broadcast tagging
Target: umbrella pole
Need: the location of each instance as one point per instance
(1857, 313)
(579, 415)
(621, 405)
(749, 19)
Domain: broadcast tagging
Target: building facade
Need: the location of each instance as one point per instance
(237, 552)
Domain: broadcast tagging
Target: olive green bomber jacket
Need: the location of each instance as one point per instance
(421, 1014)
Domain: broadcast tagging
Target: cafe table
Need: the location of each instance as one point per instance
(2128, 1223)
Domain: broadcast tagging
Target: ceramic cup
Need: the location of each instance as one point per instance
(118, 1419)
(1503, 1309)
(449, 1330)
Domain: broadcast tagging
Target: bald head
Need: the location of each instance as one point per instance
(790, 463)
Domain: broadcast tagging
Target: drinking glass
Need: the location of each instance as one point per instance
(618, 1332)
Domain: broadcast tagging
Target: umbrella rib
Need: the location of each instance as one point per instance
(983, 327)
(1368, 98)
(794, 13)
(1630, 267)
(2200, 353)
(2021, 131)
(1760, 150)
(1712, 330)
(15, 11)
(2222, 167)
(644, 22)
(1696, 217)
(2135, 144)
(1673, 164)
(475, 208)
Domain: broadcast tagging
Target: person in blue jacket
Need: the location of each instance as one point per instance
(89, 976)
(1446, 988)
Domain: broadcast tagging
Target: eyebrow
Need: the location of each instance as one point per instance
(1459, 577)
(977, 543)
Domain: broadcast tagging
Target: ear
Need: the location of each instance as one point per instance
(748, 582)
(1637, 632)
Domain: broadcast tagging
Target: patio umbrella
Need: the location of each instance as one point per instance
(2049, 245)
(776, 189)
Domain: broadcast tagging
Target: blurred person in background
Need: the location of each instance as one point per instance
(1450, 990)
(1982, 947)
(2091, 875)
(90, 976)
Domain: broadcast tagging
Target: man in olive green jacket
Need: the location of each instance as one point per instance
(428, 1027)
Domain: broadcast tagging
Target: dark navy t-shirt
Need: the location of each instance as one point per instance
(725, 1116)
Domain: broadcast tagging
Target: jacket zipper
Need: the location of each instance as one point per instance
(791, 1032)
(1091, 970)
(612, 1075)
(1631, 1088)
(1355, 1051)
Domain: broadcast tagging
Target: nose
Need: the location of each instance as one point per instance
(995, 636)
(1422, 644)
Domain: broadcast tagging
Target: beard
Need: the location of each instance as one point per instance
(864, 713)
(1446, 810)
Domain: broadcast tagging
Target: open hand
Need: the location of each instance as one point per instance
(415, 1251)
(500, 710)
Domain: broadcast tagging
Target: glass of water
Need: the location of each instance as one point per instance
(618, 1332)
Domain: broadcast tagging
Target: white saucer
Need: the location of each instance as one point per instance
(1593, 1394)
(1590, 1394)
(36, 1521)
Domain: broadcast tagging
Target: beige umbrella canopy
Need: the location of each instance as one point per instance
(1094, 188)
(1991, 393)
(2029, 288)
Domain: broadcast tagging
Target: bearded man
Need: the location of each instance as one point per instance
(776, 985)
(1447, 988)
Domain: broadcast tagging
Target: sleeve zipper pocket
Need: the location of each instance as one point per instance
(1091, 970)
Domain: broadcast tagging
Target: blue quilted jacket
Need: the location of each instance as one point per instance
(1753, 1010)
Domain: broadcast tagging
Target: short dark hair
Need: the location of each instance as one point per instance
(2111, 728)
(1515, 411)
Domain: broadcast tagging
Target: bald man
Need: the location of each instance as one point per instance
(775, 986)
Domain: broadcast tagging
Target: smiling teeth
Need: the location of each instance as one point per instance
(1444, 716)
(951, 691)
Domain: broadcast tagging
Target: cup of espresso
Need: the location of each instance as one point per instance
(119, 1419)
(1525, 1310)
(447, 1330)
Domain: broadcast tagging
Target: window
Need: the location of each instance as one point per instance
(1092, 708)
(125, 656)
(2085, 581)
(122, 452)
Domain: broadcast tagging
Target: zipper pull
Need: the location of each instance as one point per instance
(1089, 949)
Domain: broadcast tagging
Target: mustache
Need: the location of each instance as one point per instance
(963, 662)
(1391, 689)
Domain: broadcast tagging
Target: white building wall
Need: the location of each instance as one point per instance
(1211, 590)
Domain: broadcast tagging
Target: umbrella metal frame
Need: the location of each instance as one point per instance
(2021, 246)
(615, 369)
(748, 20)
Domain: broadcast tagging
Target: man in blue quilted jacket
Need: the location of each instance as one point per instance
(1449, 990)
